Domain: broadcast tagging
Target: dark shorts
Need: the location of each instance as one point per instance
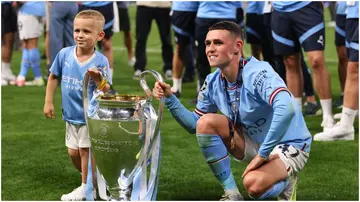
(240, 16)
(304, 26)
(124, 20)
(352, 39)
(254, 28)
(8, 19)
(108, 13)
(340, 30)
(183, 24)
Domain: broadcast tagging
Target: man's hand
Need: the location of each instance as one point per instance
(161, 89)
(257, 162)
(49, 110)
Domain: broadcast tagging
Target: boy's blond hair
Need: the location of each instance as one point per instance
(93, 15)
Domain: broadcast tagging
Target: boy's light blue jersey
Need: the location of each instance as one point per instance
(96, 3)
(341, 7)
(70, 71)
(352, 9)
(260, 86)
(289, 6)
(36, 8)
(256, 7)
(190, 6)
(217, 9)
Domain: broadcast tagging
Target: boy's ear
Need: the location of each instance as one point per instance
(101, 36)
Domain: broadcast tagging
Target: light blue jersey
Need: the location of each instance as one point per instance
(289, 6)
(264, 106)
(217, 10)
(36, 8)
(352, 9)
(190, 6)
(256, 7)
(96, 3)
(71, 72)
(341, 7)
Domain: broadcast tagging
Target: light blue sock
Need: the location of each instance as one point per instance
(25, 62)
(34, 56)
(274, 191)
(216, 155)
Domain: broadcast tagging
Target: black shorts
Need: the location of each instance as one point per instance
(124, 20)
(352, 39)
(304, 26)
(254, 28)
(340, 30)
(108, 13)
(8, 19)
(183, 24)
(240, 17)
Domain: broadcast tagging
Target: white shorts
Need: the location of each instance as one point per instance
(76, 136)
(30, 26)
(293, 158)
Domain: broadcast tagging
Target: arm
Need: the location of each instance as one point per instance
(50, 90)
(284, 112)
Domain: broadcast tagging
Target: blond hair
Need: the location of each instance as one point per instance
(93, 15)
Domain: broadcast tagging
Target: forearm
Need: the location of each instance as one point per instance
(284, 112)
(50, 88)
(183, 116)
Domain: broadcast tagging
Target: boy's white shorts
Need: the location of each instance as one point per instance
(76, 136)
(293, 158)
(30, 26)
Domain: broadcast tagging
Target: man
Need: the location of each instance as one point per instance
(344, 129)
(302, 23)
(260, 121)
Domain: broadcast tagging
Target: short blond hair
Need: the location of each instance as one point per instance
(93, 15)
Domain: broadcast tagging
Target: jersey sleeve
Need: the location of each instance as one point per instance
(204, 102)
(56, 67)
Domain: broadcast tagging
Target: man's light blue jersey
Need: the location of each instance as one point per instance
(256, 7)
(36, 8)
(71, 72)
(352, 9)
(341, 7)
(217, 10)
(289, 6)
(190, 6)
(96, 3)
(260, 86)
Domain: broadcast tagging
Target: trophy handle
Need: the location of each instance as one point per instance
(149, 97)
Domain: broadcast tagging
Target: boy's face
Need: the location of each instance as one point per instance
(87, 32)
(221, 47)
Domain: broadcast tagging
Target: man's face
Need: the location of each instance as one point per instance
(86, 33)
(220, 47)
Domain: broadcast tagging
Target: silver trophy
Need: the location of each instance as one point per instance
(125, 140)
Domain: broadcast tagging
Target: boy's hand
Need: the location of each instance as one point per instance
(49, 110)
(161, 89)
(95, 75)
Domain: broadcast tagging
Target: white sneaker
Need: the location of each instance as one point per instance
(327, 124)
(338, 132)
(78, 194)
(168, 74)
(131, 62)
(289, 193)
(232, 196)
(338, 115)
(7, 74)
(136, 74)
(35, 82)
(3, 82)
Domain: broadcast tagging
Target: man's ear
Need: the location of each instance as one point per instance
(238, 47)
(101, 36)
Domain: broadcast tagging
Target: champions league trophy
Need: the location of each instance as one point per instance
(125, 140)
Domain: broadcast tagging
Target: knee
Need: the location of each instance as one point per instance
(292, 62)
(73, 153)
(204, 125)
(353, 69)
(107, 44)
(252, 184)
(317, 62)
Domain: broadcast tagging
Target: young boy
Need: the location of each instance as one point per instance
(69, 67)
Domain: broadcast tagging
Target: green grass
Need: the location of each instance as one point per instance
(35, 164)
